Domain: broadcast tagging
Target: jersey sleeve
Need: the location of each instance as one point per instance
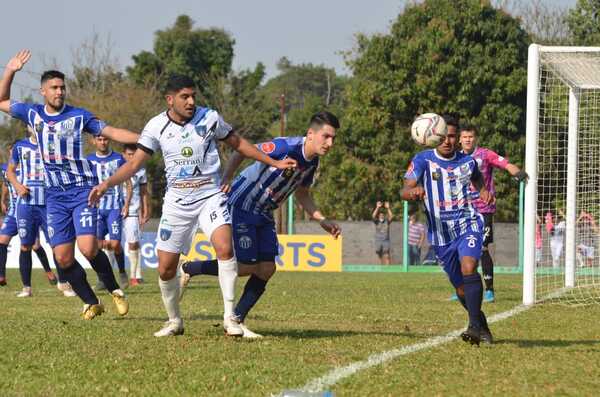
(416, 169)
(20, 110)
(496, 160)
(149, 139)
(309, 179)
(14, 155)
(214, 121)
(91, 124)
(276, 149)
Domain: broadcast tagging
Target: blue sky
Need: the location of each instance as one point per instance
(264, 30)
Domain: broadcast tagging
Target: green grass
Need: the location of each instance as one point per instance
(312, 323)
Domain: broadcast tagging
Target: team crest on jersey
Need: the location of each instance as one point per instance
(464, 168)
(436, 175)
(39, 127)
(267, 147)
(187, 151)
(165, 234)
(26, 155)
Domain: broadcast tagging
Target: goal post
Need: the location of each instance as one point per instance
(562, 158)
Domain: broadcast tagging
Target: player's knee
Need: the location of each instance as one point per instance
(89, 252)
(25, 248)
(134, 246)
(166, 273)
(64, 260)
(224, 251)
(266, 271)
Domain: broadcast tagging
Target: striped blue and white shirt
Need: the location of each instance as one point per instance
(12, 193)
(27, 159)
(61, 142)
(448, 201)
(260, 188)
(105, 167)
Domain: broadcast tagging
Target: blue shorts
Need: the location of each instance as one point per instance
(109, 222)
(9, 226)
(68, 214)
(449, 256)
(254, 237)
(30, 218)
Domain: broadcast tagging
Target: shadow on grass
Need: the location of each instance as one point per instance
(527, 343)
(329, 333)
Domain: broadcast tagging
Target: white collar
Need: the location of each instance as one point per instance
(105, 155)
(55, 113)
(442, 157)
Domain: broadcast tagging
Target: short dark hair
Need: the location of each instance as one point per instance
(469, 127)
(130, 146)
(177, 82)
(451, 119)
(324, 118)
(52, 74)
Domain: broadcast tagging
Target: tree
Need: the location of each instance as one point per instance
(584, 23)
(459, 56)
(180, 49)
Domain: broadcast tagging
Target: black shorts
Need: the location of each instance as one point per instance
(488, 229)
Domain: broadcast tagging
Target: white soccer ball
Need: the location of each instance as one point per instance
(429, 129)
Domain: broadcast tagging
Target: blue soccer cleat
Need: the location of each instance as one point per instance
(488, 296)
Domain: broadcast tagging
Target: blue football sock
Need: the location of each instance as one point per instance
(120, 261)
(76, 276)
(3, 254)
(41, 254)
(25, 268)
(473, 298)
(101, 266)
(253, 290)
(463, 302)
(196, 268)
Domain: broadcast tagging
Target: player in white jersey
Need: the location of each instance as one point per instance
(188, 136)
(137, 215)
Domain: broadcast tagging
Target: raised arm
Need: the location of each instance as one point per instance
(389, 211)
(376, 210)
(308, 205)
(120, 135)
(13, 66)
(247, 149)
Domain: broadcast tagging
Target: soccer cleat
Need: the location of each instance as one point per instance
(140, 281)
(249, 334)
(232, 327)
(25, 293)
(472, 335)
(184, 280)
(66, 289)
(170, 328)
(133, 282)
(2, 282)
(91, 311)
(488, 296)
(453, 297)
(486, 336)
(120, 302)
(51, 278)
(123, 279)
(100, 286)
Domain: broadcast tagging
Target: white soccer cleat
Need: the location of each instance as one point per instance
(170, 328)
(25, 293)
(66, 289)
(232, 327)
(249, 334)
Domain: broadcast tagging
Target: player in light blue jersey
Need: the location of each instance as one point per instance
(111, 208)
(255, 193)
(69, 178)
(188, 137)
(137, 216)
(441, 178)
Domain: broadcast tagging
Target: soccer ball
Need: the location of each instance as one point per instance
(429, 129)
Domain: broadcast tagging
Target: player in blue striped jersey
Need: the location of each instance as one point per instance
(8, 229)
(69, 178)
(255, 193)
(441, 177)
(111, 205)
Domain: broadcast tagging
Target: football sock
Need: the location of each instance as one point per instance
(169, 291)
(473, 298)
(25, 268)
(120, 256)
(252, 292)
(3, 254)
(463, 302)
(41, 254)
(101, 266)
(487, 268)
(60, 274)
(196, 268)
(134, 261)
(138, 271)
(111, 257)
(227, 279)
(75, 275)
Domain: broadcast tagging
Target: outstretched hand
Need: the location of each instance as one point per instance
(17, 62)
(96, 193)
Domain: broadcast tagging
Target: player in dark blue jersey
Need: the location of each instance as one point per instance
(112, 206)
(255, 193)
(69, 178)
(441, 178)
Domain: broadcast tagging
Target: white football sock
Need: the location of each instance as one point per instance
(111, 257)
(170, 296)
(227, 278)
(134, 262)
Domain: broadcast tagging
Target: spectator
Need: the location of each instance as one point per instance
(416, 237)
(382, 232)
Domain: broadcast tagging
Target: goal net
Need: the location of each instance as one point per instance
(562, 198)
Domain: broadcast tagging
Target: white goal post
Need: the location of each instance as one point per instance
(562, 158)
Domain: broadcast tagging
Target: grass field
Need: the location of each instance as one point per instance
(313, 323)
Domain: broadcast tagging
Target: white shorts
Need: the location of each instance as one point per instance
(178, 224)
(586, 251)
(131, 224)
